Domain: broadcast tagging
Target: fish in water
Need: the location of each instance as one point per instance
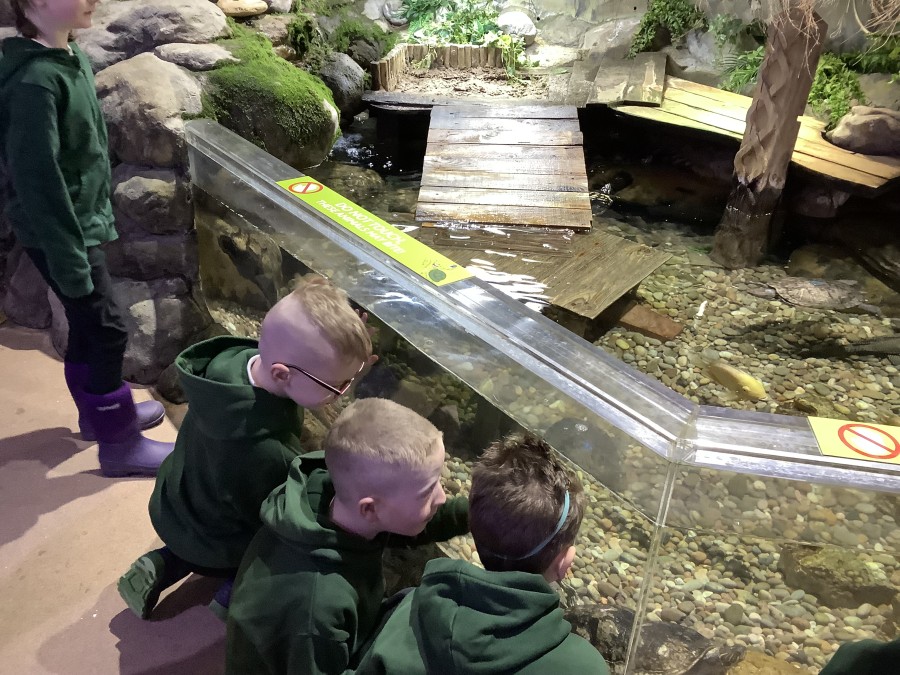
(888, 346)
(741, 383)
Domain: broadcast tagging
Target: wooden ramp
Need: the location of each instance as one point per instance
(599, 270)
(698, 106)
(511, 165)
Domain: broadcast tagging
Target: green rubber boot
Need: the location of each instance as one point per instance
(141, 586)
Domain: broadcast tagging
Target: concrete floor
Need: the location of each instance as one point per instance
(67, 533)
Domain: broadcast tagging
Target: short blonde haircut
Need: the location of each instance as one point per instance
(328, 309)
(380, 430)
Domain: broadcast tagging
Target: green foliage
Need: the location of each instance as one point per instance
(306, 39)
(881, 56)
(742, 69)
(728, 29)
(352, 29)
(442, 22)
(265, 87)
(677, 17)
(835, 89)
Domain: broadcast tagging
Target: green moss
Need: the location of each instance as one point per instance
(306, 39)
(352, 29)
(265, 88)
(675, 16)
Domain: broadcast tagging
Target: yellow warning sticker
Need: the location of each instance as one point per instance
(857, 440)
(409, 252)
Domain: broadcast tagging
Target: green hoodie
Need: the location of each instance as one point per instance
(465, 620)
(53, 143)
(865, 657)
(308, 594)
(234, 447)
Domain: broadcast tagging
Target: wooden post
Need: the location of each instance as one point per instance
(760, 167)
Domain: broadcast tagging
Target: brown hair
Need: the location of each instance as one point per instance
(23, 24)
(516, 500)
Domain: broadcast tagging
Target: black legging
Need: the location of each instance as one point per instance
(97, 332)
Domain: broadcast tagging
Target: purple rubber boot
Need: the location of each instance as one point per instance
(123, 451)
(149, 413)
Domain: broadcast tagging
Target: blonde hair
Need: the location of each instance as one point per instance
(326, 307)
(381, 430)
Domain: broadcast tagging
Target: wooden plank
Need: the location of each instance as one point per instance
(499, 181)
(647, 80)
(600, 269)
(515, 112)
(504, 136)
(538, 167)
(522, 126)
(563, 153)
(532, 193)
(504, 215)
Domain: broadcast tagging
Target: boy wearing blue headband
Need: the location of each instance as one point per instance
(525, 509)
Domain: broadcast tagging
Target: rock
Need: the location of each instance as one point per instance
(127, 28)
(138, 255)
(280, 6)
(871, 131)
(734, 614)
(836, 576)
(517, 24)
(612, 38)
(353, 182)
(273, 27)
(195, 57)
(26, 297)
(169, 385)
(416, 396)
(347, 83)
(238, 264)
(446, 418)
(364, 52)
(757, 663)
(242, 8)
(880, 90)
(564, 31)
(283, 109)
(818, 200)
(394, 12)
(7, 18)
(157, 200)
(143, 100)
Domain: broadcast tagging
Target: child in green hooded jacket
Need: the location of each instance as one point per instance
(311, 586)
(55, 157)
(505, 619)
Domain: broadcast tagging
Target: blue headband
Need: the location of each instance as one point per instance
(539, 547)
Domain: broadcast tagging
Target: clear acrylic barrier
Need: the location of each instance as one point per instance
(666, 473)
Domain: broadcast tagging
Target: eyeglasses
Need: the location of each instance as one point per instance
(337, 391)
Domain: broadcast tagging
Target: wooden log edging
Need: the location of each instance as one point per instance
(387, 71)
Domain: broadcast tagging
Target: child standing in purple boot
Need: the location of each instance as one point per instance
(53, 142)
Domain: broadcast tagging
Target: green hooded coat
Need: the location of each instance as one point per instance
(308, 594)
(54, 148)
(464, 620)
(234, 447)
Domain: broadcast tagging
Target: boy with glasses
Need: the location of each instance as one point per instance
(241, 433)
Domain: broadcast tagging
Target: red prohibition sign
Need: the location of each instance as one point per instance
(879, 444)
(305, 188)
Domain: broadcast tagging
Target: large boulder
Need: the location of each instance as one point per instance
(347, 82)
(867, 130)
(517, 24)
(243, 8)
(137, 254)
(163, 317)
(130, 27)
(26, 296)
(157, 200)
(613, 38)
(143, 100)
(194, 57)
(283, 109)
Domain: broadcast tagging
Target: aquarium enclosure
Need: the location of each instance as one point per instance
(723, 531)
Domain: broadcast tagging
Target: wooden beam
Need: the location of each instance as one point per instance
(522, 126)
(537, 196)
(544, 166)
(504, 137)
(504, 215)
(500, 181)
(514, 112)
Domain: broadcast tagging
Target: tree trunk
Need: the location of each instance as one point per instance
(793, 47)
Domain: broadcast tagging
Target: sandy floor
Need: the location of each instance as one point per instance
(66, 535)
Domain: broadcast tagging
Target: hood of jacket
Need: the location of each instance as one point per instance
(480, 623)
(18, 52)
(227, 406)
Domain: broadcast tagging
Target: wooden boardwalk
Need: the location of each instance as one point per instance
(509, 165)
(688, 104)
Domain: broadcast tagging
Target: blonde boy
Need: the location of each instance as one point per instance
(240, 434)
(310, 587)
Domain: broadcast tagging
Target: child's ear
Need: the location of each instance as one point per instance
(560, 565)
(280, 373)
(367, 509)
